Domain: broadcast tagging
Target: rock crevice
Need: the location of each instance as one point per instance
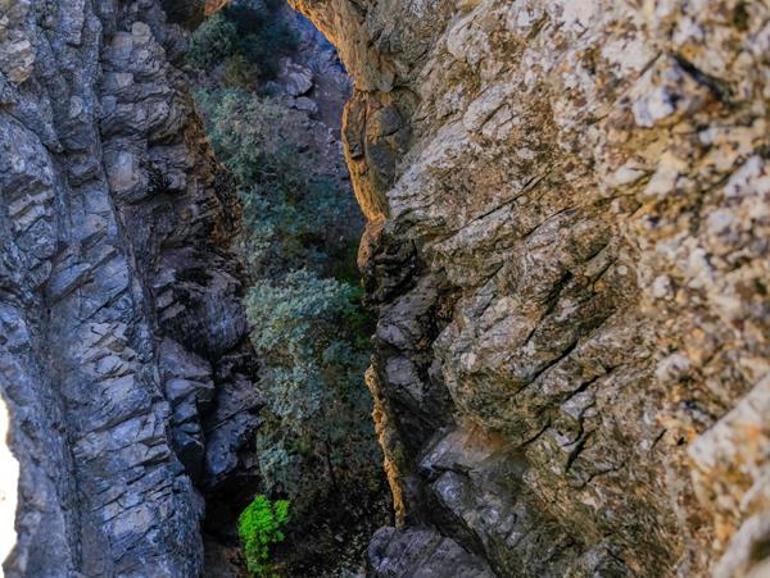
(567, 240)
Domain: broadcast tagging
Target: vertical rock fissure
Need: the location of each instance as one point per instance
(271, 89)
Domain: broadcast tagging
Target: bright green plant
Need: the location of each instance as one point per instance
(259, 527)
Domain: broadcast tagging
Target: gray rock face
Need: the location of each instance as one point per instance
(123, 339)
(294, 79)
(419, 553)
(567, 241)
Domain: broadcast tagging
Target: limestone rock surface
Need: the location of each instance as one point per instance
(568, 206)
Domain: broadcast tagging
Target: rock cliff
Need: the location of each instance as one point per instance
(568, 245)
(123, 351)
(568, 209)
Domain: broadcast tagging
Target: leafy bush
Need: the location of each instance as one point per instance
(299, 324)
(252, 33)
(249, 134)
(239, 72)
(295, 216)
(212, 42)
(317, 439)
(259, 527)
(267, 47)
(265, 34)
(299, 315)
(311, 332)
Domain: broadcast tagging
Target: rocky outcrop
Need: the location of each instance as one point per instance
(123, 350)
(567, 242)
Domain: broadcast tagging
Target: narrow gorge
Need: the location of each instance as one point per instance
(385, 288)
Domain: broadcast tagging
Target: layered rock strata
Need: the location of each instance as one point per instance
(123, 350)
(567, 243)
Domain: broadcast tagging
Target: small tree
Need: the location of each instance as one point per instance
(256, 32)
(214, 41)
(259, 527)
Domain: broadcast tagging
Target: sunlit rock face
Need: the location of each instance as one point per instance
(213, 6)
(568, 244)
(121, 325)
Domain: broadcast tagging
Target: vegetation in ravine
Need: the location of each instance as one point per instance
(311, 332)
(259, 528)
(310, 329)
(245, 38)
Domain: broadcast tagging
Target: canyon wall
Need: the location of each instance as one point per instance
(569, 208)
(124, 357)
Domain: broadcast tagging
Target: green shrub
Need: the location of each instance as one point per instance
(239, 72)
(259, 527)
(250, 134)
(265, 36)
(293, 215)
(253, 32)
(267, 46)
(212, 42)
(316, 439)
(298, 314)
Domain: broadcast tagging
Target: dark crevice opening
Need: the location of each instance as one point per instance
(270, 90)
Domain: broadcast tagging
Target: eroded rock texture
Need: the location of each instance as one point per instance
(568, 206)
(123, 355)
(567, 242)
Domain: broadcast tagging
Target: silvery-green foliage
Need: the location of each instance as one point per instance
(279, 467)
(299, 313)
(212, 42)
(291, 211)
(308, 325)
(305, 327)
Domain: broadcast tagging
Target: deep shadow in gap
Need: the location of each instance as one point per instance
(270, 90)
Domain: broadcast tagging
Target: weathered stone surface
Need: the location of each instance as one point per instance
(588, 181)
(419, 553)
(116, 279)
(294, 79)
(567, 242)
(17, 52)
